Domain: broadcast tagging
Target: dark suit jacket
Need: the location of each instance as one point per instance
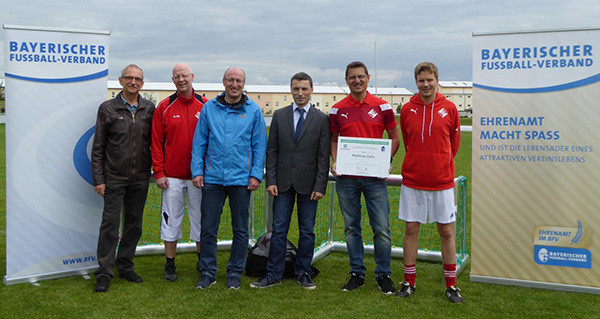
(305, 163)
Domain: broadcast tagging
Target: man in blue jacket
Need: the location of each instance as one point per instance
(228, 157)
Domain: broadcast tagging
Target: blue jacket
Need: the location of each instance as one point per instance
(229, 143)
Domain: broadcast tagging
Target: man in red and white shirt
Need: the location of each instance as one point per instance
(361, 114)
(173, 129)
(430, 127)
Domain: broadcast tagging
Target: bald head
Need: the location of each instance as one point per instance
(234, 71)
(234, 80)
(182, 66)
(182, 78)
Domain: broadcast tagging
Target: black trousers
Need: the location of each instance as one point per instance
(129, 196)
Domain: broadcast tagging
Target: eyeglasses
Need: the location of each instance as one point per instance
(181, 76)
(354, 77)
(131, 78)
(231, 80)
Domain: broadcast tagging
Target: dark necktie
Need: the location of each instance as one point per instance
(300, 122)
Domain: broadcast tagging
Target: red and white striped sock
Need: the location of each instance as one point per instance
(410, 274)
(450, 274)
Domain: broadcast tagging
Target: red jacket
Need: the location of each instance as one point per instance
(431, 135)
(173, 127)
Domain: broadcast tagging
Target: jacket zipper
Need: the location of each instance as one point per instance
(134, 144)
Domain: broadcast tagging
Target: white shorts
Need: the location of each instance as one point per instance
(417, 205)
(173, 209)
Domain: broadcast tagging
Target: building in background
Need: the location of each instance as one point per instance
(460, 93)
(269, 97)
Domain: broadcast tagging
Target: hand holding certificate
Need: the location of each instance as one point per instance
(369, 157)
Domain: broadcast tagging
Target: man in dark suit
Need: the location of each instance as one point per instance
(297, 170)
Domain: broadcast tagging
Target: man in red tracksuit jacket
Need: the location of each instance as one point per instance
(173, 129)
(430, 128)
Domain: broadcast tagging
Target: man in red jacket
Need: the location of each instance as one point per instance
(431, 132)
(173, 129)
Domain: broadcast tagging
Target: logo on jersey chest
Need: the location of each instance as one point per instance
(372, 113)
(443, 112)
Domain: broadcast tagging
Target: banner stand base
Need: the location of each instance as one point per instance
(55, 275)
(534, 284)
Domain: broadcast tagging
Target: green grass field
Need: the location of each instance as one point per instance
(73, 296)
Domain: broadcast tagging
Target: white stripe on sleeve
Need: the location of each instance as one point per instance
(385, 107)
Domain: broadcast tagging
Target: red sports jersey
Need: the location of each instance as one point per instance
(368, 118)
(173, 127)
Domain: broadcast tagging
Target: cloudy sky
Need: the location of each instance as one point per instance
(273, 39)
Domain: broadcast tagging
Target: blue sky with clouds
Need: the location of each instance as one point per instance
(272, 40)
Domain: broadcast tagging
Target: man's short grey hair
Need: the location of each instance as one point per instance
(131, 66)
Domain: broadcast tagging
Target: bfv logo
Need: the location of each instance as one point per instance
(81, 161)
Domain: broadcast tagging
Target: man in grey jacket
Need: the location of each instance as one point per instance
(121, 164)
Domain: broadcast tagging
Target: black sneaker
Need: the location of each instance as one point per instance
(265, 282)
(305, 281)
(102, 283)
(233, 283)
(131, 276)
(198, 267)
(170, 272)
(355, 282)
(453, 295)
(386, 285)
(406, 290)
(205, 282)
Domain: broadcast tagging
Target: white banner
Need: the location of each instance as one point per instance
(536, 166)
(55, 80)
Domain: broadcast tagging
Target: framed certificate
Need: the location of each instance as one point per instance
(369, 157)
